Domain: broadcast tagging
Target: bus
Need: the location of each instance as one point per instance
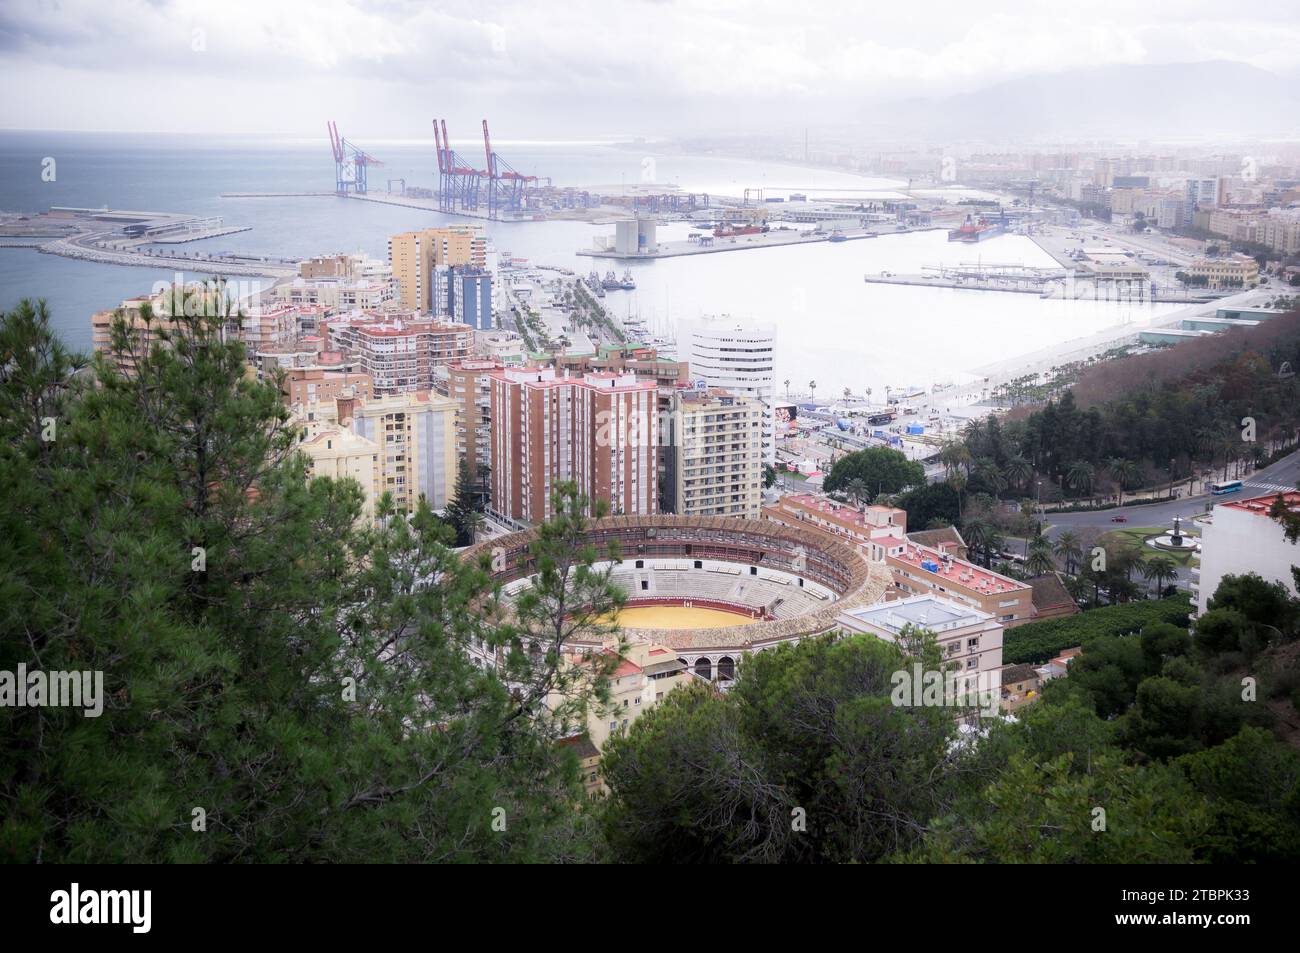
(1230, 486)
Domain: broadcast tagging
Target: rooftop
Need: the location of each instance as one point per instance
(839, 511)
(957, 572)
(1260, 505)
(925, 611)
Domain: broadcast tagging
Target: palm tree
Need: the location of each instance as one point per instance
(1068, 548)
(868, 395)
(987, 472)
(954, 456)
(976, 532)
(957, 480)
(847, 393)
(1125, 473)
(1039, 561)
(812, 387)
(1159, 569)
(1018, 471)
(787, 389)
(1080, 477)
(858, 490)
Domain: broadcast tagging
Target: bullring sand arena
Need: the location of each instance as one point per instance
(713, 588)
(678, 617)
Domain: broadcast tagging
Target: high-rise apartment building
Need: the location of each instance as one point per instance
(599, 430)
(415, 257)
(739, 358)
(717, 455)
(416, 435)
(401, 355)
(469, 385)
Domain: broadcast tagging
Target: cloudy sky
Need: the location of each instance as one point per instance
(569, 68)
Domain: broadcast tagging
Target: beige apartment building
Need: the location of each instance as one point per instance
(413, 257)
(416, 434)
(338, 453)
(599, 430)
(717, 453)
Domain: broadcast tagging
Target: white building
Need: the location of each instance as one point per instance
(1239, 538)
(737, 357)
(965, 635)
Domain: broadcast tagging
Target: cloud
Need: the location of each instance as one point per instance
(579, 67)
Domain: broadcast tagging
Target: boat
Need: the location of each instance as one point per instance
(610, 282)
(975, 231)
(838, 236)
(627, 283)
(730, 231)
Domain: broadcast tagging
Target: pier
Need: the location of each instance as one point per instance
(777, 238)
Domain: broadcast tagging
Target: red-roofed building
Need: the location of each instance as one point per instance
(875, 530)
(401, 355)
(920, 569)
(1240, 537)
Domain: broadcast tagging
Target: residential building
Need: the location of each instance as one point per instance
(717, 452)
(1239, 538)
(340, 283)
(142, 334)
(599, 430)
(471, 297)
(738, 358)
(920, 569)
(402, 355)
(875, 530)
(415, 256)
(305, 385)
(338, 453)
(416, 433)
(1020, 686)
(1280, 230)
(469, 385)
(967, 636)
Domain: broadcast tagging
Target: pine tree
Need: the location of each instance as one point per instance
(280, 682)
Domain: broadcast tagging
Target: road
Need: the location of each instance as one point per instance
(1279, 476)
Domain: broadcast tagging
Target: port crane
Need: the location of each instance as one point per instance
(458, 181)
(350, 163)
(506, 185)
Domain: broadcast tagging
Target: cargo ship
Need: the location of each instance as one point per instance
(975, 231)
(730, 231)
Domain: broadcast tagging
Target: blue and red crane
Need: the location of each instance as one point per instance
(506, 185)
(350, 163)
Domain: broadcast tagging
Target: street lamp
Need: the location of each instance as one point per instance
(1038, 500)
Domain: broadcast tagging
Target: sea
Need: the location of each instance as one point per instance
(832, 326)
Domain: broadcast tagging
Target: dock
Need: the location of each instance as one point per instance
(777, 238)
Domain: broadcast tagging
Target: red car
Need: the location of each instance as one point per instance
(1119, 519)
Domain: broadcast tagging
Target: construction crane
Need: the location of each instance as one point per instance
(506, 184)
(458, 181)
(350, 163)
